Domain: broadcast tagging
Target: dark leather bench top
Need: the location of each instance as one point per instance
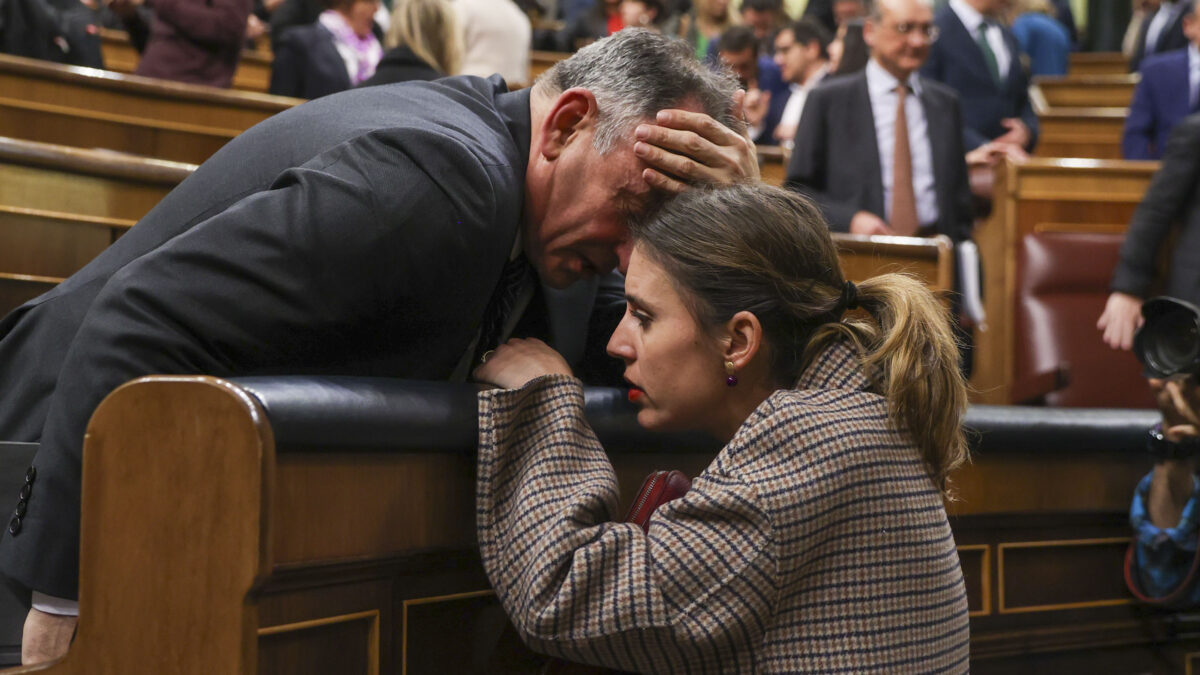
(362, 413)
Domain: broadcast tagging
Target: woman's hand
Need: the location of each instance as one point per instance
(513, 364)
(1179, 402)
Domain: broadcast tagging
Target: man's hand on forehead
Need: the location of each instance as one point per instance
(686, 148)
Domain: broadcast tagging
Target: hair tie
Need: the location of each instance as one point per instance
(849, 299)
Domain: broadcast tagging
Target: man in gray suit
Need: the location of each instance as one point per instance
(1173, 197)
(850, 157)
(382, 231)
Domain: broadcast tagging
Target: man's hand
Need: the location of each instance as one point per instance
(516, 362)
(990, 153)
(1171, 485)
(254, 27)
(46, 636)
(1121, 318)
(685, 148)
(1018, 134)
(755, 106)
(865, 222)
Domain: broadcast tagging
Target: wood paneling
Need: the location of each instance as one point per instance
(1087, 91)
(1098, 63)
(84, 107)
(1049, 576)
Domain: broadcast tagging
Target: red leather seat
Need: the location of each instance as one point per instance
(1061, 290)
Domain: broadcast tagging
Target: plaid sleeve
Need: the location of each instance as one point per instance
(1164, 556)
(693, 595)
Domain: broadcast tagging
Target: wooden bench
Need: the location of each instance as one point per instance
(931, 260)
(327, 525)
(1038, 197)
(772, 164)
(60, 207)
(83, 107)
(1086, 91)
(1089, 133)
(540, 61)
(1098, 63)
(253, 72)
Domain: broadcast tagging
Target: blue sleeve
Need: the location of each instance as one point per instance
(1162, 557)
(1139, 125)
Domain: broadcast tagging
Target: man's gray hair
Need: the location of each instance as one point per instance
(633, 74)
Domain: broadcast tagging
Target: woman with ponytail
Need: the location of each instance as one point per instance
(817, 539)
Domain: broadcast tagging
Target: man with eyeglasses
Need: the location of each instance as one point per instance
(881, 151)
(978, 57)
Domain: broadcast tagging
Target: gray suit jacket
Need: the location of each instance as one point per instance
(1172, 197)
(836, 158)
(362, 233)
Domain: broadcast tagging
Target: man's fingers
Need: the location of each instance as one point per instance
(687, 167)
(698, 123)
(662, 181)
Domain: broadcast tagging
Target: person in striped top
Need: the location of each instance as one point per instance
(817, 540)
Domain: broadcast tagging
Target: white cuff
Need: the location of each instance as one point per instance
(52, 605)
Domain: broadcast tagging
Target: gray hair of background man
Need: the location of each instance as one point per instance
(633, 74)
(876, 8)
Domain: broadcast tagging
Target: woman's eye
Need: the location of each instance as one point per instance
(642, 319)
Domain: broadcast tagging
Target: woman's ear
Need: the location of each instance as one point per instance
(743, 339)
(571, 112)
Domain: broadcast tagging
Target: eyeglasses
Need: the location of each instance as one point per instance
(928, 30)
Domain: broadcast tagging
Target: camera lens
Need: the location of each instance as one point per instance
(1174, 344)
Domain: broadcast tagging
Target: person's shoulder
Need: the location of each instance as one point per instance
(1157, 64)
(938, 89)
(302, 36)
(1189, 129)
(839, 85)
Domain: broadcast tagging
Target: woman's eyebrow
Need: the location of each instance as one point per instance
(636, 301)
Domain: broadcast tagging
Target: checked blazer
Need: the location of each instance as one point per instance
(814, 542)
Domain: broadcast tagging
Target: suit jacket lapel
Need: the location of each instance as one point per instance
(970, 50)
(869, 149)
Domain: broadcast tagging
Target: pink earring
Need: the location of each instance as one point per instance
(729, 370)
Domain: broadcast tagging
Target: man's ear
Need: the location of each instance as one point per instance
(574, 110)
(743, 339)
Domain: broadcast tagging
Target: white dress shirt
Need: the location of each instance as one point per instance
(790, 118)
(882, 89)
(495, 39)
(1193, 75)
(995, 37)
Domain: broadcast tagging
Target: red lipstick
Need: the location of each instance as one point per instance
(635, 394)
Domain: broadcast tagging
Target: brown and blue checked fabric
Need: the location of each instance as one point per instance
(814, 543)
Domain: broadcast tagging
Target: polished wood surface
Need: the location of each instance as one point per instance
(1098, 63)
(772, 164)
(1090, 133)
(931, 260)
(253, 71)
(1062, 195)
(540, 61)
(1087, 91)
(183, 481)
(60, 207)
(87, 108)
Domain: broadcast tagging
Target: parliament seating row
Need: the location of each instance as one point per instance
(1082, 115)
(60, 207)
(87, 108)
(314, 525)
(1097, 63)
(253, 70)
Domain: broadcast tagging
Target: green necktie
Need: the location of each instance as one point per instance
(989, 56)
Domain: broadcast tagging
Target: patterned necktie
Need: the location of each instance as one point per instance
(989, 56)
(904, 200)
(514, 278)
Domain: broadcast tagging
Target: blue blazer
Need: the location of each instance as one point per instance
(955, 60)
(1160, 100)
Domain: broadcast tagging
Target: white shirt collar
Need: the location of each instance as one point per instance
(970, 17)
(881, 83)
(1193, 58)
(816, 77)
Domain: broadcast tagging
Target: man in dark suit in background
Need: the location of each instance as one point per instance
(1161, 31)
(1168, 91)
(390, 231)
(978, 57)
(850, 156)
(766, 92)
(1172, 198)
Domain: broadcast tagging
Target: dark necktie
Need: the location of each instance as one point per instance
(904, 199)
(989, 56)
(514, 278)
